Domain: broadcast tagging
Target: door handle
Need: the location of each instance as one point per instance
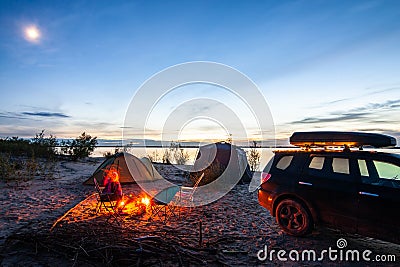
(368, 194)
(305, 183)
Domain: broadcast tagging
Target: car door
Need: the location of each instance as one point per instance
(328, 183)
(379, 199)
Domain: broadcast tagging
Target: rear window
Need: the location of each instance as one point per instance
(284, 162)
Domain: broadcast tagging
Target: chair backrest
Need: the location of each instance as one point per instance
(96, 185)
(196, 185)
(165, 196)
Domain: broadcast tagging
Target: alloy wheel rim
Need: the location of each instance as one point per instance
(291, 217)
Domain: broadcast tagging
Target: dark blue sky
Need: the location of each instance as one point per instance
(319, 64)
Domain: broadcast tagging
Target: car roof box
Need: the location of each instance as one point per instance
(333, 138)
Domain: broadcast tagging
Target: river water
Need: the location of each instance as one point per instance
(157, 152)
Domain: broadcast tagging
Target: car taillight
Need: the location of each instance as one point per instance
(265, 177)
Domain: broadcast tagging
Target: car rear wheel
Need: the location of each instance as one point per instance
(293, 217)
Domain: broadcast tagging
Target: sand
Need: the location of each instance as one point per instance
(233, 228)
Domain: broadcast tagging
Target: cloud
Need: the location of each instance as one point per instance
(367, 111)
(382, 90)
(343, 117)
(31, 115)
(11, 115)
(390, 104)
(27, 123)
(370, 91)
(46, 114)
(335, 101)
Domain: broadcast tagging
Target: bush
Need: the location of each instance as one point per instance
(108, 154)
(254, 157)
(154, 157)
(180, 156)
(44, 146)
(39, 146)
(81, 147)
(22, 168)
(175, 154)
(7, 168)
(166, 156)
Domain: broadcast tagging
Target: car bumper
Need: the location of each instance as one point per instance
(265, 199)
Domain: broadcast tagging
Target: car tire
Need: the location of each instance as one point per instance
(293, 217)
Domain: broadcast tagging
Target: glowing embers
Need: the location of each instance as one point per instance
(134, 206)
(145, 201)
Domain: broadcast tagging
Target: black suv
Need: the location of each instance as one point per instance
(352, 190)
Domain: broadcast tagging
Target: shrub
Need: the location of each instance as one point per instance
(175, 154)
(23, 169)
(154, 157)
(7, 168)
(166, 156)
(32, 167)
(254, 157)
(81, 147)
(44, 146)
(39, 146)
(180, 156)
(15, 146)
(108, 154)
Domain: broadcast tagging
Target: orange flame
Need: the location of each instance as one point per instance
(146, 201)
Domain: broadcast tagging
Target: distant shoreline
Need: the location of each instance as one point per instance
(120, 146)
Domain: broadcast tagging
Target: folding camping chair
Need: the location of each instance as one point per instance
(186, 193)
(161, 204)
(106, 201)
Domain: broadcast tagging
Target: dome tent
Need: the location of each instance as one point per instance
(141, 169)
(213, 160)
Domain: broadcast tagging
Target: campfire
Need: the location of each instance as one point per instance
(134, 205)
(131, 204)
(146, 201)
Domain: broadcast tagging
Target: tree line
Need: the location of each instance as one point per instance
(42, 146)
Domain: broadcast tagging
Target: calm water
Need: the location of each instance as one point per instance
(192, 152)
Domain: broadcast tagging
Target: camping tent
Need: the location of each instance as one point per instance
(218, 156)
(140, 170)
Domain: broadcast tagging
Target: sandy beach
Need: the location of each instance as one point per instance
(233, 229)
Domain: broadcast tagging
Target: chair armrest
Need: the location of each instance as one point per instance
(107, 194)
(186, 188)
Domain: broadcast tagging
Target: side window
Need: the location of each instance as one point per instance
(284, 162)
(362, 164)
(340, 165)
(317, 163)
(387, 170)
(380, 173)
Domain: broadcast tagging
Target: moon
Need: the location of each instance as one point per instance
(32, 34)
